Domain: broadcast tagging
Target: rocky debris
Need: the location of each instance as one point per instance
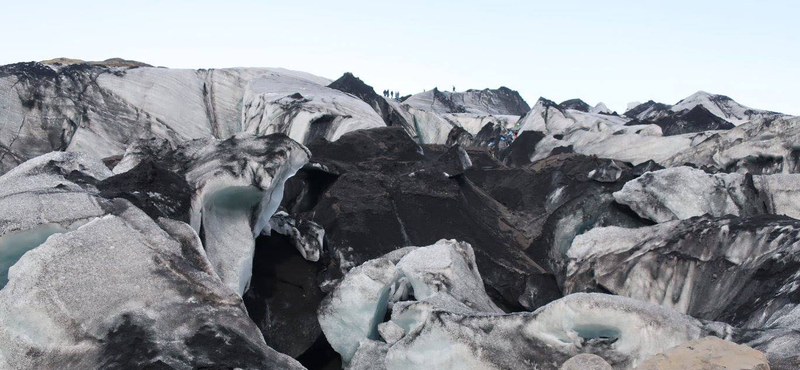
(608, 172)
(586, 361)
(709, 353)
(153, 189)
(455, 161)
(283, 297)
(649, 110)
(389, 112)
(679, 193)
(306, 236)
(522, 149)
(177, 315)
(558, 199)
(385, 144)
(381, 180)
(576, 104)
(698, 119)
(787, 363)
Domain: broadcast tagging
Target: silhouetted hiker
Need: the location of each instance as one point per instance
(454, 89)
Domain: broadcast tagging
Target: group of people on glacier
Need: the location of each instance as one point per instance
(391, 94)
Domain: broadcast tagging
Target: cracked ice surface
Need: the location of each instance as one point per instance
(442, 318)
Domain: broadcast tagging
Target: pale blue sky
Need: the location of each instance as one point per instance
(610, 51)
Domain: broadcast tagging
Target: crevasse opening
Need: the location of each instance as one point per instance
(228, 235)
(14, 245)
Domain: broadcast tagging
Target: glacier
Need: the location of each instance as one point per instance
(259, 218)
(678, 193)
(449, 322)
(177, 308)
(48, 195)
(238, 184)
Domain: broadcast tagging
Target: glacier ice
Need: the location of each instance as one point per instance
(502, 101)
(125, 291)
(548, 117)
(719, 105)
(722, 106)
(764, 145)
(748, 264)
(352, 312)
(46, 195)
(586, 361)
(228, 236)
(445, 320)
(100, 110)
(239, 185)
(443, 275)
(630, 144)
(679, 193)
(302, 110)
(307, 236)
(622, 330)
(14, 245)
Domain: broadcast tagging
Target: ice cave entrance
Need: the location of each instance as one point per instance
(239, 198)
(14, 245)
(597, 332)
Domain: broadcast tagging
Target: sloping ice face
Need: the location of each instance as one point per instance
(14, 245)
(228, 235)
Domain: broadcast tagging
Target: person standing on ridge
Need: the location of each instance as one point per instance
(454, 88)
